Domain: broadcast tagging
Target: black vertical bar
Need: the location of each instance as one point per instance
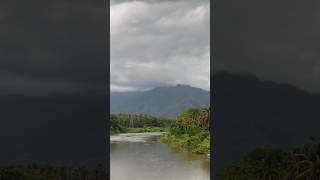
(107, 6)
(211, 91)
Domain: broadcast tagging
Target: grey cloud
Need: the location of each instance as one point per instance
(14, 84)
(159, 44)
(275, 40)
(63, 43)
(113, 2)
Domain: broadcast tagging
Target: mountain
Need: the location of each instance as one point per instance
(250, 112)
(162, 101)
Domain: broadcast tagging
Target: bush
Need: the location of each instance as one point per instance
(198, 143)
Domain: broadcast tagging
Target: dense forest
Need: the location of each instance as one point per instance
(46, 172)
(299, 163)
(122, 123)
(191, 131)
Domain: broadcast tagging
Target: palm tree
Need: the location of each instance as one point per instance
(194, 115)
(184, 120)
(309, 162)
(205, 118)
(268, 163)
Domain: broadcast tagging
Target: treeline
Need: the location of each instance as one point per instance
(300, 163)
(191, 131)
(121, 123)
(46, 172)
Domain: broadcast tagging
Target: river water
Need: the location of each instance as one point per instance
(139, 156)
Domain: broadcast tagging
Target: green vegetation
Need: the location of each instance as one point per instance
(191, 131)
(145, 129)
(301, 163)
(129, 123)
(46, 172)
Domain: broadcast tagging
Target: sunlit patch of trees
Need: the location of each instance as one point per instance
(301, 163)
(47, 172)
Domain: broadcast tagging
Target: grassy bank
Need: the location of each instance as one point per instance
(197, 143)
(190, 131)
(138, 130)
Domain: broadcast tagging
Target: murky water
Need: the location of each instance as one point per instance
(138, 156)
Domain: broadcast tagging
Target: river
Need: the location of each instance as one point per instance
(139, 156)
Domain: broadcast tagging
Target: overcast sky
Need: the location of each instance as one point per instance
(159, 43)
(275, 40)
(52, 47)
(60, 46)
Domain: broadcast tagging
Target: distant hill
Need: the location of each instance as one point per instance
(162, 101)
(250, 112)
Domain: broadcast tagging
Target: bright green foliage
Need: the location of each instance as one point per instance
(197, 143)
(191, 131)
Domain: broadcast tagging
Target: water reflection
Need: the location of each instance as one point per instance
(149, 160)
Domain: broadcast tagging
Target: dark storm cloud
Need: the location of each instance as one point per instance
(156, 43)
(276, 40)
(52, 47)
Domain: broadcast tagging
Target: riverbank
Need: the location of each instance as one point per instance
(137, 130)
(134, 137)
(132, 123)
(190, 131)
(145, 129)
(197, 143)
